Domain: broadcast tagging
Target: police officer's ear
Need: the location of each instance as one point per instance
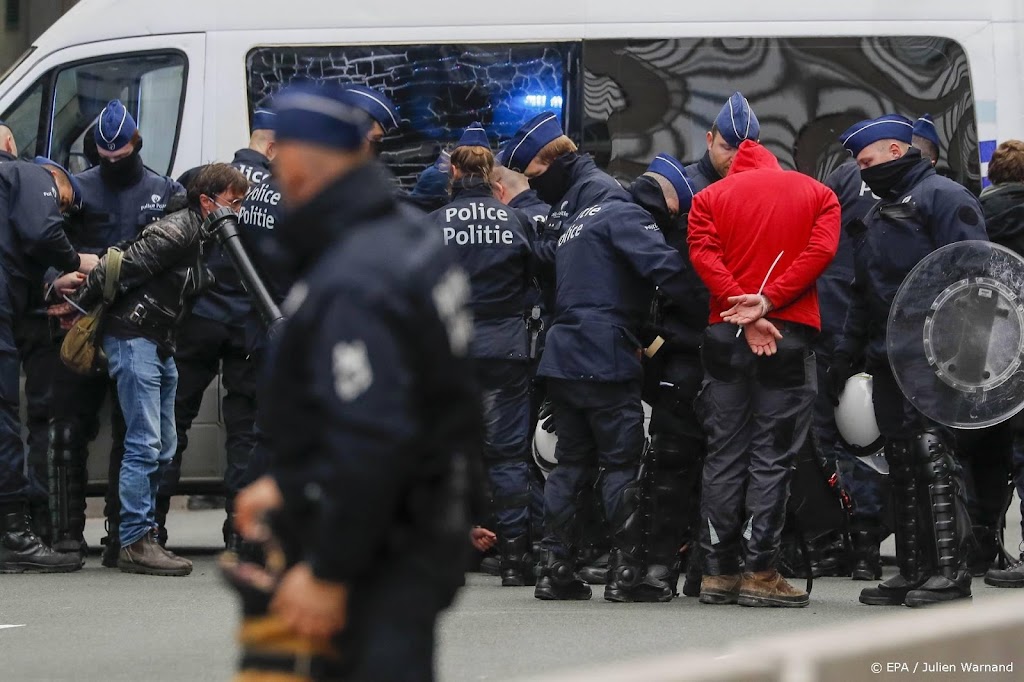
(271, 151)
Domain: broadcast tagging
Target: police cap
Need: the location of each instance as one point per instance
(533, 136)
(736, 121)
(888, 127)
(376, 105)
(76, 189)
(669, 168)
(115, 127)
(321, 115)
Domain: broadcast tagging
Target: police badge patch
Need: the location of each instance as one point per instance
(352, 372)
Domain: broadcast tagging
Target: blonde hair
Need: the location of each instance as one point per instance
(474, 161)
(557, 147)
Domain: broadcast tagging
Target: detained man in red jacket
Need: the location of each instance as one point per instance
(759, 239)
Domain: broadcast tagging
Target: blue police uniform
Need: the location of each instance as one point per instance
(866, 487)
(371, 417)
(609, 257)
(32, 240)
(672, 378)
(494, 245)
(919, 212)
(213, 338)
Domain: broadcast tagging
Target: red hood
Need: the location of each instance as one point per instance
(753, 156)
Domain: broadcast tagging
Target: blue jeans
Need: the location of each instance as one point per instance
(145, 389)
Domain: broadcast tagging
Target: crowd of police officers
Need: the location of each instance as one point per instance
(564, 295)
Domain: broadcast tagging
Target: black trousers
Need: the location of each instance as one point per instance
(600, 426)
(203, 347)
(757, 414)
(39, 355)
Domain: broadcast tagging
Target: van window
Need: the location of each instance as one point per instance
(438, 89)
(23, 118)
(150, 85)
(642, 97)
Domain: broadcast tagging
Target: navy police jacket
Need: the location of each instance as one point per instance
(924, 212)
(32, 234)
(855, 200)
(262, 212)
(609, 258)
(531, 205)
(494, 245)
(113, 215)
(702, 173)
(226, 300)
(370, 402)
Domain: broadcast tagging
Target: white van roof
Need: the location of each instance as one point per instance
(98, 20)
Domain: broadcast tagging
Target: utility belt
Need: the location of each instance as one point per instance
(147, 314)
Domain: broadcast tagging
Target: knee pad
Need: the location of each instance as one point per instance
(933, 458)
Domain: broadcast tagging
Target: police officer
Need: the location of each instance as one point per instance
(371, 416)
(383, 114)
(213, 338)
(121, 197)
(866, 487)
(609, 254)
(919, 211)
(672, 377)
(494, 245)
(723, 140)
(32, 197)
(513, 189)
(926, 138)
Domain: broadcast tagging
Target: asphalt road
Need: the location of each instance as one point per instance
(99, 624)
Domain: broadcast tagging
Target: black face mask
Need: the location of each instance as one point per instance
(648, 194)
(883, 178)
(552, 184)
(123, 172)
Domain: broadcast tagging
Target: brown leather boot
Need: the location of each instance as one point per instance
(719, 589)
(768, 588)
(146, 556)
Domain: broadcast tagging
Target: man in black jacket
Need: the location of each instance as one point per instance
(370, 406)
(161, 273)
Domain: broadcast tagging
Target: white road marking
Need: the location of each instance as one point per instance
(3, 627)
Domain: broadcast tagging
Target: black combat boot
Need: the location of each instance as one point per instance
(559, 582)
(39, 517)
(893, 592)
(516, 562)
(867, 563)
(1011, 576)
(950, 523)
(21, 550)
(111, 541)
(595, 570)
(630, 581)
(163, 506)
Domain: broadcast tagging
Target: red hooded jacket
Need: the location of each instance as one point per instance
(738, 226)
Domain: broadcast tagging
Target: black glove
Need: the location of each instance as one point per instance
(839, 371)
(546, 416)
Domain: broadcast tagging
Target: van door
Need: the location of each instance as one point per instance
(159, 78)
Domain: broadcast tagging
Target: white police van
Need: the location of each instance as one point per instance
(629, 80)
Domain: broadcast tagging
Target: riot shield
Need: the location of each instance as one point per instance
(955, 335)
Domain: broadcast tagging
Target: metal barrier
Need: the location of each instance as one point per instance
(966, 641)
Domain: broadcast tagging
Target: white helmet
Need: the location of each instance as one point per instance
(855, 417)
(544, 453)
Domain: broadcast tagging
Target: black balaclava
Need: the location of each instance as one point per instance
(123, 172)
(552, 184)
(885, 177)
